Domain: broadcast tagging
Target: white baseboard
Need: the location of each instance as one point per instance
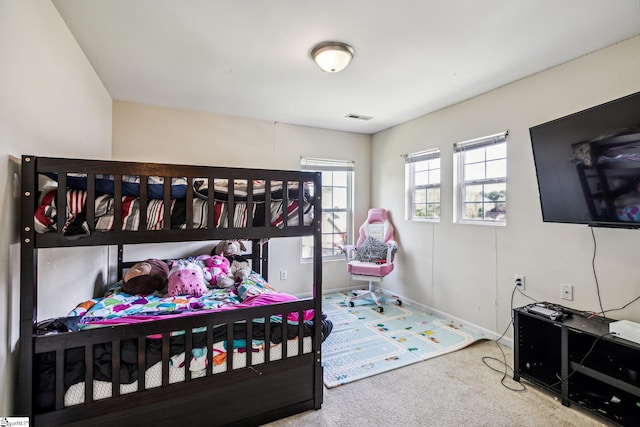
(492, 335)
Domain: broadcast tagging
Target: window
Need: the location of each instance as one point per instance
(422, 178)
(481, 180)
(337, 206)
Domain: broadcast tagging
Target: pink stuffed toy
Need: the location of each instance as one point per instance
(218, 267)
(186, 278)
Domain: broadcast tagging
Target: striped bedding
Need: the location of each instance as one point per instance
(75, 224)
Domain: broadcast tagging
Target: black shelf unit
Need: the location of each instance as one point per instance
(578, 360)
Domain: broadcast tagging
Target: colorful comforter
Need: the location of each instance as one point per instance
(119, 307)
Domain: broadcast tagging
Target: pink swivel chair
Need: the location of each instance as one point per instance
(371, 258)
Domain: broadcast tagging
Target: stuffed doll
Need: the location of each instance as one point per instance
(146, 277)
(186, 277)
(218, 268)
(239, 267)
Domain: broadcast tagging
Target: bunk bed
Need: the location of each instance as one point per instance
(107, 204)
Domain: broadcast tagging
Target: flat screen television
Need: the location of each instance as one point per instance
(588, 165)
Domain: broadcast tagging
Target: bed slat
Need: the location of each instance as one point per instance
(117, 203)
(210, 353)
(91, 201)
(165, 359)
(60, 357)
(115, 368)
(249, 332)
(88, 376)
(230, 348)
(210, 197)
(285, 334)
(285, 204)
(188, 347)
(167, 203)
(267, 202)
(61, 203)
(300, 332)
(267, 339)
(189, 203)
(249, 203)
(143, 202)
(142, 352)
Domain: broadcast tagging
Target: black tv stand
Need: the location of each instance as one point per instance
(551, 354)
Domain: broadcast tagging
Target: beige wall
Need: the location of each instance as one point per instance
(51, 103)
(146, 133)
(467, 270)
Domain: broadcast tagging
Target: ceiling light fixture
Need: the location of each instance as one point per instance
(332, 56)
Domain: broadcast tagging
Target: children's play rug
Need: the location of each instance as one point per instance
(365, 343)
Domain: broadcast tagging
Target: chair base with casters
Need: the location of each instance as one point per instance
(377, 295)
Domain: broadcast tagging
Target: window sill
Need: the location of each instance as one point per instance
(435, 220)
(325, 259)
(489, 223)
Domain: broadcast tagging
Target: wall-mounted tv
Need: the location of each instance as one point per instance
(588, 165)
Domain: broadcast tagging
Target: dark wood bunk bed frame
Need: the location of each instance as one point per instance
(251, 395)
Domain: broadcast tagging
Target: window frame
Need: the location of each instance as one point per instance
(324, 166)
(461, 149)
(411, 162)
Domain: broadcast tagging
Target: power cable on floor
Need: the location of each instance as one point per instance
(506, 368)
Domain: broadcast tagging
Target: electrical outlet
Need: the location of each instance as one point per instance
(566, 291)
(283, 274)
(518, 280)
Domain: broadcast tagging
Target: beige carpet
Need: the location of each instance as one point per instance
(456, 389)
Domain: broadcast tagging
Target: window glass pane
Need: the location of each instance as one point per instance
(327, 197)
(473, 193)
(420, 196)
(339, 178)
(496, 212)
(495, 192)
(339, 198)
(433, 195)
(332, 244)
(474, 171)
(419, 211)
(307, 247)
(327, 178)
(421, 178)
(434, 163)
(473, 211)
(474, 156)
(497, 168)
(327, 241)
(496, 151)
(434, 176)
(421, 166)
(327, 222)
(433, 211)
(339, 221)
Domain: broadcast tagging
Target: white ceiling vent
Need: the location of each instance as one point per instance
(358, 117)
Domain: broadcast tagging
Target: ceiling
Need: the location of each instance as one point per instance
(251, 58)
